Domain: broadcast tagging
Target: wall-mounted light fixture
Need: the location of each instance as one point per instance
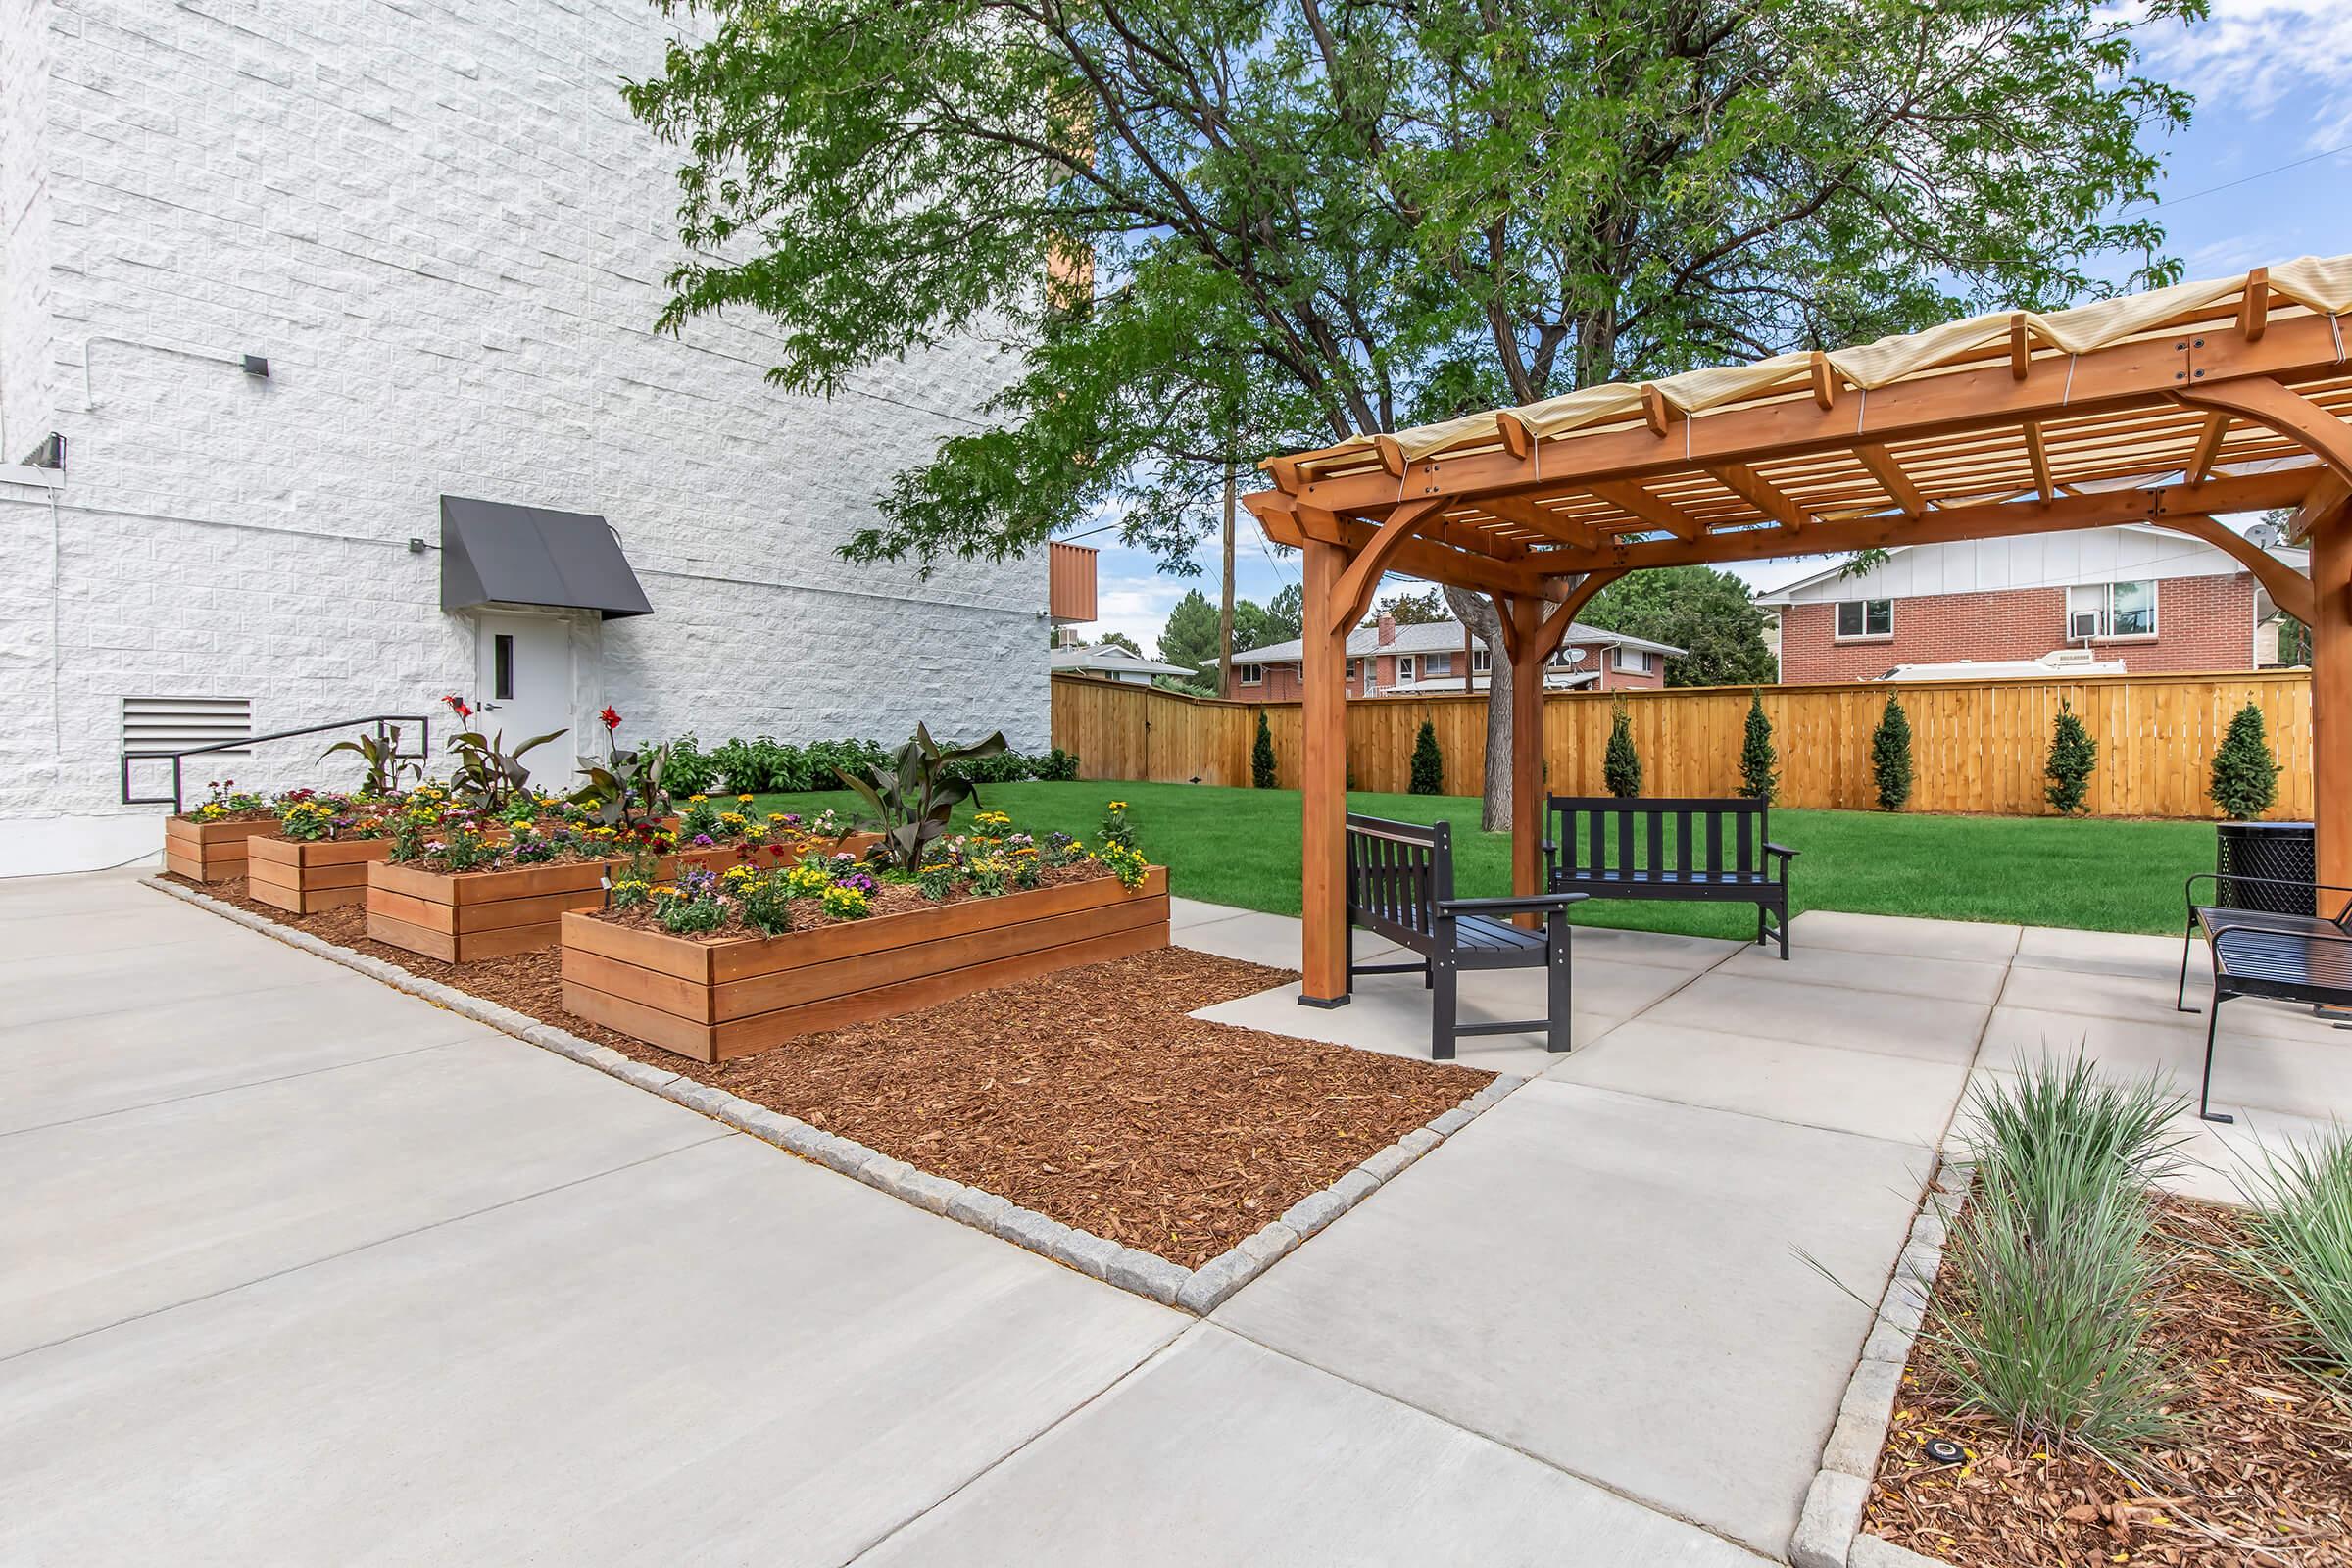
(415, 547)
(256, 367)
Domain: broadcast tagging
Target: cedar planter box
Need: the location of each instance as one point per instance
(717, 1001)
(305, 877)
(210, 852)
(458, 917)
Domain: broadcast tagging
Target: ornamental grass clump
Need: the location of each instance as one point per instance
(2054, 1259)
(2299, 1250)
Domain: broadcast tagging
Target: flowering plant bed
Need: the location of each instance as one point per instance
(211, 851)
(720, 995)
(459, 916)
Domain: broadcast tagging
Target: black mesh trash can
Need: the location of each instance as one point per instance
(2278, 851)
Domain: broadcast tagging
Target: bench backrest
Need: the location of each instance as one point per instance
(1397, 872)
(1601, 835)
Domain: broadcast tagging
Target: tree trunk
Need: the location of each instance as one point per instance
(1478, 614)
(1225, 610)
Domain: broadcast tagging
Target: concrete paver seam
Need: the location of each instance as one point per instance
(1197, 1290)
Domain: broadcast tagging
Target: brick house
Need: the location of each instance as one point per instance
(280, 281)
(1387, 660)
(2128, 598)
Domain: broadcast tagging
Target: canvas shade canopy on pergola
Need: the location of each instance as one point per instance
(2162, 408)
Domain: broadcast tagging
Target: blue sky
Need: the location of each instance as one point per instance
(2274, 85)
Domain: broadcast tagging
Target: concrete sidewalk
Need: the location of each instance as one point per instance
(299, 1270)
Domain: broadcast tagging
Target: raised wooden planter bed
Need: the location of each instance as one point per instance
(715, 1000)
(210, 852)
(459, 917)
(305, 877)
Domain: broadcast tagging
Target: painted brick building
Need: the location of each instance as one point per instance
(2133, 596)
(1387, 660)
(444, 233)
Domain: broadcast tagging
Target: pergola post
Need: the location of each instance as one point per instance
(2331, 696)
(1323, 783)
(1531, 651)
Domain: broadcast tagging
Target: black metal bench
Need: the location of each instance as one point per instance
(1719, 850)
(2264, 952)
(1401, 885)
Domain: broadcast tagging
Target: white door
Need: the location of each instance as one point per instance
(525, 689)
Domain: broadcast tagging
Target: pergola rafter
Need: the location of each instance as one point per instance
(2162, 408)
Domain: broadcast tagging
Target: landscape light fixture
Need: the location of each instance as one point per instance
(256, 367)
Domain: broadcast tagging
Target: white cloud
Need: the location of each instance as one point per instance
(2256, 56)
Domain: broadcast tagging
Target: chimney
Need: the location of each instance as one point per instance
(1388, 628)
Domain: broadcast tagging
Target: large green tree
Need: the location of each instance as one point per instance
(1278, 222)
(1280, 619)
(1705, 613)
(1190, 637)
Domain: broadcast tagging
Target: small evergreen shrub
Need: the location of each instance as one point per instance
(2245, 775)
(2074, 757)
(1429, 763)
(1891, 757)
(1261, 756)
(1759, 763)
(1621, 764)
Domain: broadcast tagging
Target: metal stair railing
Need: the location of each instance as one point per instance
(177, 798)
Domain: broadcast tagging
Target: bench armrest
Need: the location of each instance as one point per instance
(1533, 903)
(2189, 889)
(1783, 850)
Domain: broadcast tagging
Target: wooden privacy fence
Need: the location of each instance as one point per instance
(1976, 745)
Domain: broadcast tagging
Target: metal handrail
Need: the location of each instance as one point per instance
(177, 798)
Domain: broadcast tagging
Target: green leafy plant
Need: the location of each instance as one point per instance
(689, 769)
(1124, 861)
(2300, 1251)
(380, 751)
(1429, 763)
(488, 775)
(2055, 1256)
(912, 799)
(1759, 763)
(1620, 764)
(765, 901)
(2245, 775)
(2073, 758)
(1891, 757)
(1261, 756)
(691, 904)
(1115, 828)
(631, 789)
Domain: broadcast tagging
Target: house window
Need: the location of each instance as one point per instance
(1252, 675)
(1405, 669)
(501, 666)
(1633, 660)
(1436, 664)
(2095, 610)
(1478, 660)
(1866, 617)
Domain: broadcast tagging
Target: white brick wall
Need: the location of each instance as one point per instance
(440, 225)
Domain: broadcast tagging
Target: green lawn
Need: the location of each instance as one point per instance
(1241, 847)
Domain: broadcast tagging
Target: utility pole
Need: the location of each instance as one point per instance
(1225, 612)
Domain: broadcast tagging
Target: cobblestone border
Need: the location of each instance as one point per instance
(1199, 1291)
(1829, 1531)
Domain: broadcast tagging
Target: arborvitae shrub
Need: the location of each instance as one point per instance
(1261, 756)
(1429, 764)
(1759, 763)
(1891, 757)
(2074, 757)
(1620, 765)
(2245, 775)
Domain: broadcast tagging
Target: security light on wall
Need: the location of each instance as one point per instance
(256, 367)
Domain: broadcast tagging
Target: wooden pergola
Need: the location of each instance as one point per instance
(2163, 407)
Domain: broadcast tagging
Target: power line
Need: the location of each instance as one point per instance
(2261, 174)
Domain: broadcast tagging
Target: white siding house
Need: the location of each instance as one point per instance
(439, 226)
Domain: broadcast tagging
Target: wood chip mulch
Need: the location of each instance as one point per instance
(2261, 1477)
(1088, 1095)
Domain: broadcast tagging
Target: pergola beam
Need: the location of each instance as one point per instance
(1891, 478)
(2288, 588)
(1760, 493)
(1659, 513)
(2264, 401)
(1352, 596)
(2144, 373)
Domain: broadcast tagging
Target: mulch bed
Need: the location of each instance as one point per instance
(889, 898)
(1088, 1095)
(2262, 1476)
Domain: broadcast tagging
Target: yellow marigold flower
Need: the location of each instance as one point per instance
(744, 796)
(692, 800)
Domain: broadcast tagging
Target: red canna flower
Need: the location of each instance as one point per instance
(612, 720)
(457, 705)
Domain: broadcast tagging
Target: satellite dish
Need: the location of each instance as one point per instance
(1576, 656)
(2266, 535)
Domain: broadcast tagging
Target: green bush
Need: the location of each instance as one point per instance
(1261, 756)
(2074, 756)
(1429, 763)
(689, 769)
(1621, 764)
(2042, 1321)
(1759, 763)
(1891, 757)
(2301, 1248)
(2245, 775)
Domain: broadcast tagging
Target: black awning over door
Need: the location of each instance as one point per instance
(495, 553)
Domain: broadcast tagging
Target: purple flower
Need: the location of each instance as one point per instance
(860, 881)
(703, 841)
